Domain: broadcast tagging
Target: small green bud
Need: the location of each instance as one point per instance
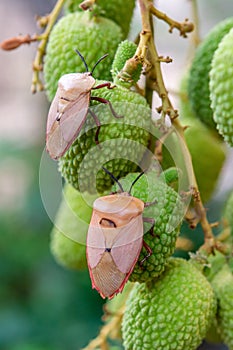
(132, 72)
(171, 176)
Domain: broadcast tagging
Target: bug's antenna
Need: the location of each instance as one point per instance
(114, 178)
(82, 58)
(137, 178)
(99, 60)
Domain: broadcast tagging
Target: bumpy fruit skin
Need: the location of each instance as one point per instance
(68, 235)
(167, 213)
(223, 287)
(198, 84)
(171, 313)
(119, 11)
(125, 51)
(227, 219)
(221, 86)
(228, 213)
(122, 142)
(88, 35)
(207, 151)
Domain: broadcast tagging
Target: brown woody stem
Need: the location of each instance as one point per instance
(147, 51)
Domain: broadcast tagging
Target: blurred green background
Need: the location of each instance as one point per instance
(42, 305)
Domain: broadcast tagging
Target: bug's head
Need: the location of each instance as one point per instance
(85, 63)
(119, 184)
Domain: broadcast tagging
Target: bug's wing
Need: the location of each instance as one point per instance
(53, 112)
(110, 270)
(74, 116)
(95, 244)
(106, 278)
(54, 139)
(61, 133)
(127, 247)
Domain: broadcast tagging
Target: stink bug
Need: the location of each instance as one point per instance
(69, 109)
(115, 239)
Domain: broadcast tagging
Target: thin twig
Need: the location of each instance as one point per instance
(196, 33)
(225, 234)
(147, 46)
(101, 339)
(15, 42)
(37, 85)
(184, 27)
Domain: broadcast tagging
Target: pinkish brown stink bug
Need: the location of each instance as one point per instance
(115, 239)
(69, 109)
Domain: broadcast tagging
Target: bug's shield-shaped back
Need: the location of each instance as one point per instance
(112, 254)
(64, 126)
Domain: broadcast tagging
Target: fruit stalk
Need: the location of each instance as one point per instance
(146, 43)
(196, 34)
(106, 330)
(37, 63)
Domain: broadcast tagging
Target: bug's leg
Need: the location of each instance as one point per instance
(148, 204)
(94, 116)
(107, 85)
(149, 252)
(107, 102)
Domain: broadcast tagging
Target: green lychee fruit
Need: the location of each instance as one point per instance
(227, 219)
(173, 312)
(221, 87)
(223, 287)
(122, 141)
(119, 11)
(68, 236)
(167, 212)
(228, 211)
(88, 35)
(207, 151)
(126, 51)
(198, 83)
